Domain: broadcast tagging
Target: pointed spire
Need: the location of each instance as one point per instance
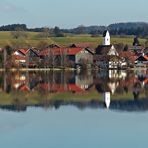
(106, 38)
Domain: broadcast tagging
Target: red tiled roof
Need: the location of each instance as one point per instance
(73, 51)
(126, 54)
(81, 45)
(133, 58)
(58, 51)
(24, 51)
(146, 57)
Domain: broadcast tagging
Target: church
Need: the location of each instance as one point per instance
(106, 56)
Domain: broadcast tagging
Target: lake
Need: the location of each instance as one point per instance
(87, 109)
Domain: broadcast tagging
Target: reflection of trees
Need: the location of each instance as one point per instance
(136, 90)
(146, 90)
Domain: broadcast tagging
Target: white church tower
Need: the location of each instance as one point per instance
(106, 38)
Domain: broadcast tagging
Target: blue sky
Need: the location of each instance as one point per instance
(71, 13)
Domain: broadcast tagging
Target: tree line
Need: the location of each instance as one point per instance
(18, 29)
(137, 29)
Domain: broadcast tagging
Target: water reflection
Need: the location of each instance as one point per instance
(115, 90)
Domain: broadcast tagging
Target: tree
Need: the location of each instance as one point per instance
(136, 42)
(146, 43)
(18, 33)
(46, 32)
(125, 48)
(9, 49)
(57, 32)
(80, 29)
(1, 60)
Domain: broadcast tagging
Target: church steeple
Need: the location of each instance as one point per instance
(106, 38)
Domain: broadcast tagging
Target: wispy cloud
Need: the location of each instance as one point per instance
(7, 7)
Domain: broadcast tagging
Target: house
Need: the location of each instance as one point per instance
(67, 56)
(80, 56)
(142, 60)
(145, 51)
(53, 46)
(138, 50)
(25, 57)
(106, 56)
(128, 58)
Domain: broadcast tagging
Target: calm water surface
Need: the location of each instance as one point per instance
(69, 110)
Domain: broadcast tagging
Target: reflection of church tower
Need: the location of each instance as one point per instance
(107, 99)
(106, 38)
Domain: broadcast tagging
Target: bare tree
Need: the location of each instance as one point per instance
(19, 33)
(45, 33)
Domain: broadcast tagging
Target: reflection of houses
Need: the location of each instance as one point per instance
(84, 81)
(143, 79)
(61, 82)
(117, 74)
(25, 81)
(19, 81)
(59, 88)
(25, 57)
(49, 82)
(109, 86)
(106, 55)
(113, 82)
(121, 83)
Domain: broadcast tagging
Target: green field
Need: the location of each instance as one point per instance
(33, 40)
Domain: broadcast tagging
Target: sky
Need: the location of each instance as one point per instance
(72, 13)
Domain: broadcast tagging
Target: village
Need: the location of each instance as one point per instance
(79, 56)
